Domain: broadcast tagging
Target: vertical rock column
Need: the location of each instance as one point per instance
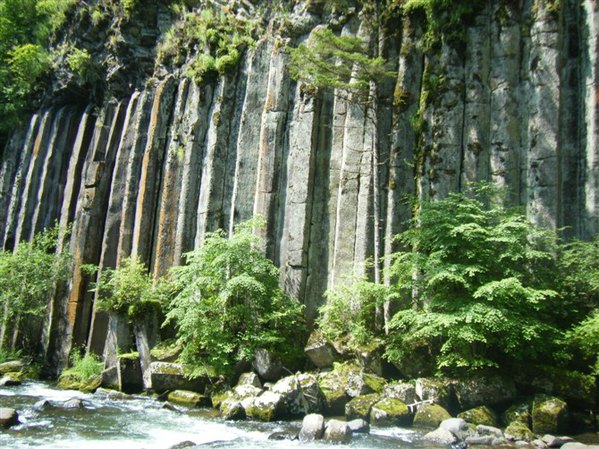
(590, 94)
(504, 81)
(272, 151)
(543, 170)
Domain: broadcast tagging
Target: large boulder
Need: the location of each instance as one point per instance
(549, 415)
(457, 426)
(315, 400)
(441, 436)
(14, 366)
(166, 376)
(266, 407)
(360, 407)
(360, 383)
(246, 391)
(267, 364)
(480, 415)
(404, 391)
(72, 382)
(187, 398)
(332, 386)
(436, 390)
(518, 431)
(251, 379)
(312, 428)
(293, 401)
(337, 432)
(320, 351)
(430, 416)
(484, 390)
(390, 412)
(232, 409)
(10, 380)
(359, 426)
(8, 417)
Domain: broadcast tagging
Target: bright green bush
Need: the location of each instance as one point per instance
(84, 368)
(482, 280)
(228, 303)
(128, 290)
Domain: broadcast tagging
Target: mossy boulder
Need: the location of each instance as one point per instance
(72, 382)
(187, 398)
(486, 390)
(519, 412)
(165, 351)
(315, 400)
(231, 409)
(404, 391)
(218, 396)
(430, 416)
(11, 379)
(11, 367)
(374, 382)
(170, 376)
(517, 431)
(480, 415)
(332, 387)
(293, 401)
(549, 415)
(439, 391)
(267, 407)
(390, 412)
(360, 407)
(320, 351)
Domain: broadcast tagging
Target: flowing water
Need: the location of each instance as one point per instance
(141, 422)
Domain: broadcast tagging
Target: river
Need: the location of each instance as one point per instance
(142, 423)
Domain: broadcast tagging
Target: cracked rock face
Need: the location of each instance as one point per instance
(151, 172)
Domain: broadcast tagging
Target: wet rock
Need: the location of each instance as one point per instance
(251, 379)
(441, 436)
(517, 431)
(169, 406)
(247, 391)
(10, 380)
(405, 392)
(486, 440)
(576, 445)
(183, 445)
(484, 390)
(312, 428)
(170, 376)
(43, 405)
(232, 409)
(431, 416)
(8, 417)
(332, 385)
(480, 415)
(267, 365)
(549, 415)
(553, 441)
(283, 436)
(320, 351)
(114, 395)
(266, 407)
(390, 412)
(457, 426)
(73, 404)
(360, 407)
(337, 432)
(489, 430)
(187, 398)
(11, 367)
(129, 375)
(359, 426)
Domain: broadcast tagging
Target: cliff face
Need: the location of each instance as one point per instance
(151, 172)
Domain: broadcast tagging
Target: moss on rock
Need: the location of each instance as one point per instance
(390, 412)
(517, 431)
(360, 407)
(549, 415)
(430, 416)
(187, 398)
(519, 412)
(480, 415)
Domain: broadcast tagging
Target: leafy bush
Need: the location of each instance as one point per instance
(228, 303)
(84, 368)
(128, 290)
(348, 316)
(29, 274)
(585, 337)
(482, 278)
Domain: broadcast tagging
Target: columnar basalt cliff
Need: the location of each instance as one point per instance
(150, 171)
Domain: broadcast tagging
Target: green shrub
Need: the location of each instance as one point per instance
(482, 280)
(228, 303)
(84, 368)
(128, 290)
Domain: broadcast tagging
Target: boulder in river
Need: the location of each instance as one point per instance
(486, 390)
(360, 407)
(8, 417)
(480, 415)
(312, 427)
(14, 366)
(430, 416)
(187, 398)
(390, 412)
(549, 415)
(337, 432)
(441, 436)
(266, 407)
(170, 376)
